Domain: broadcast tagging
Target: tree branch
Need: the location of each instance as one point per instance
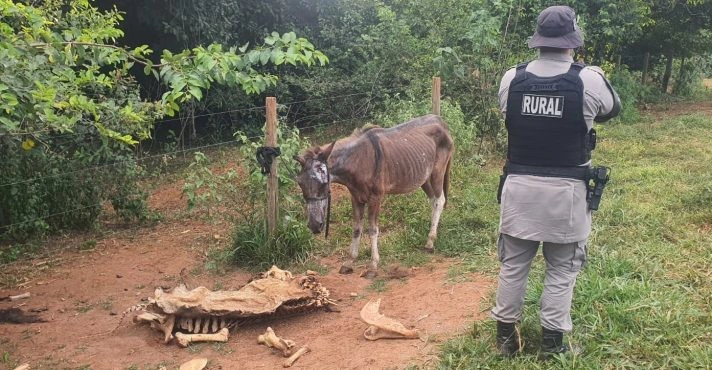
(128, 55)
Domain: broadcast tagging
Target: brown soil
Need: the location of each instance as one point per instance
(659, 111)
(82, 293)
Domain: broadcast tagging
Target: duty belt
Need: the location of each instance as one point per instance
(577, 173)
(599, 175)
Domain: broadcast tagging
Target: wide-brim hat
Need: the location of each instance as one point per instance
(556, 28)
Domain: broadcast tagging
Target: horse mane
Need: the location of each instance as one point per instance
(313, 152)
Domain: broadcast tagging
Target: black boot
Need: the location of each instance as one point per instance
(552, 343)
(507, 339)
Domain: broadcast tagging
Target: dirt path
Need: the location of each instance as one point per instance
(661, 111)
(82, 293)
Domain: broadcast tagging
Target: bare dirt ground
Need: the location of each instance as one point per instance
(83, 288)
(663, 110)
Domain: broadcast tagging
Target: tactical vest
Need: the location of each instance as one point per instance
(545, 120)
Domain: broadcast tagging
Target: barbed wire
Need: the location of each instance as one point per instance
(229, 111)
(95, 205)
(106, 165)
(87, 169)
(104, 202)
(363, 111)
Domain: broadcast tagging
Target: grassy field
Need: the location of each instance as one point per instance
(644, 298)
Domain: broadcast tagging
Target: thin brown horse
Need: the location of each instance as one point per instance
(375, 162)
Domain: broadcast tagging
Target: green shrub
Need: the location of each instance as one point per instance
(43, 190)
(631, 92)
(399, 110)
(203, 187)
(251, 247)
(689, 80)
(292, 241)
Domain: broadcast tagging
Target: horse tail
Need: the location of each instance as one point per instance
(446, 180)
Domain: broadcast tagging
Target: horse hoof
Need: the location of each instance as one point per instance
(344, 270)
(370, 274)
(430, 250)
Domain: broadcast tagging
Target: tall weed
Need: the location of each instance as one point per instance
(292, 240)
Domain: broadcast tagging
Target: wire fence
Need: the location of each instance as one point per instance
(88, 171)
(173, 152)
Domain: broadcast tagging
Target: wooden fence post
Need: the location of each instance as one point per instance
(436, 95)
(646, 60)
(272, 180)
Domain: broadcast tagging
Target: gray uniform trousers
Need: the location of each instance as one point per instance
(563, 263)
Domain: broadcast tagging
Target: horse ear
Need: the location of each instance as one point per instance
(324, 154)
(300, 159)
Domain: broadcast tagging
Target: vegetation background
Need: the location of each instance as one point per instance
(101, 99)
(82, 93)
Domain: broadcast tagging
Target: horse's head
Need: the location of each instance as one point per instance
(314, 180)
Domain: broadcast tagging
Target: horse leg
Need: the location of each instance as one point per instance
(357, 209)
(437, 204)
(374, 208)
(434, 189)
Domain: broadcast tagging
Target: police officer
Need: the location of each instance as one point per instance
(550, 105)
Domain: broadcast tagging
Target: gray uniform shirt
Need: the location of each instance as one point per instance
(552, 209)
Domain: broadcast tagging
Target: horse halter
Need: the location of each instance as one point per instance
(327, 197)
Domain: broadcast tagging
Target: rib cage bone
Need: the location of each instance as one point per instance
(273, 294)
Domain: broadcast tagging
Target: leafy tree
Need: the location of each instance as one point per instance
(69, 101)
(679, 29)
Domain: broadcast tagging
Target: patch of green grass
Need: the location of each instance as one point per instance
(83, 306)
(196, 347)
(378, 286)
(643, 299)
(107, 304)
(222, 348)
(13, 252)
(87, 245)
(252, 248)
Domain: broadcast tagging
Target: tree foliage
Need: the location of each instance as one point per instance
(70, 101)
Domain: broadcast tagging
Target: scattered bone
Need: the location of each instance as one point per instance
(15, 297)
(198, 323)
(185, 339)
(290, 361)
(194, 364)
(383, 327)
(277, 273)
(149, 317)
(270, 339)
(166, 328)
(22, 367)
(162, 323)
(214, 327)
